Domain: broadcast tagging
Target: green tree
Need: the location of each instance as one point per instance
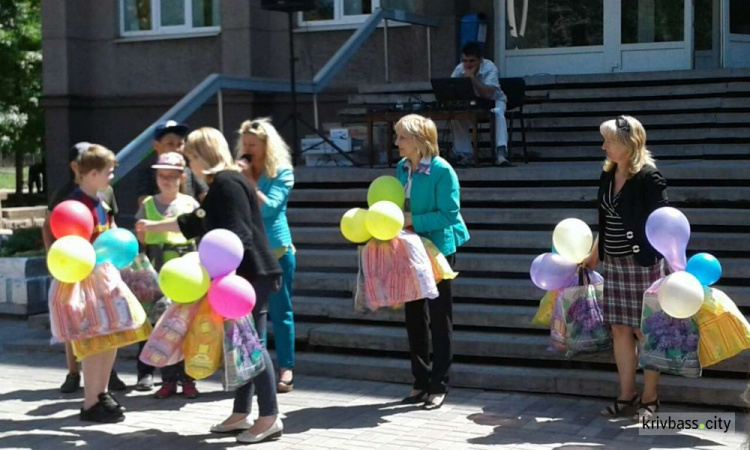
(21, 118)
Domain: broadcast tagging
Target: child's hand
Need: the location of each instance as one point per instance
(142, 225)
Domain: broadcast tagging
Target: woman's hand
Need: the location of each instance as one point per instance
(143, 225)
(591, 261)
(247, 170)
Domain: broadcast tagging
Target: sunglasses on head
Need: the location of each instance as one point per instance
(622, 123)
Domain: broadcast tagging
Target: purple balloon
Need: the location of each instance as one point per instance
(668, 231)
(550, 271)
(220, 252)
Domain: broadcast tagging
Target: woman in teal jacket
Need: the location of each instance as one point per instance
(433, 210)
(267, 165)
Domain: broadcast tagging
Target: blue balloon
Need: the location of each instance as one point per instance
(117, 246)
(705, 267)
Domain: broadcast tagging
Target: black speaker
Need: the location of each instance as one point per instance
(288, 5)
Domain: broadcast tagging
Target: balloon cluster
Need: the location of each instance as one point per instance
(72, 257)
(681, 293)
(385, 217)
(211, 270)
(572, 241)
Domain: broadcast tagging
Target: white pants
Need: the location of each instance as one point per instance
(462, 135)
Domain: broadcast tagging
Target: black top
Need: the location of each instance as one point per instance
(615, 242)
(233, 205)
(194, 186)
(639, 197)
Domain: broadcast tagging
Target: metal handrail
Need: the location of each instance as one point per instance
(140, 147)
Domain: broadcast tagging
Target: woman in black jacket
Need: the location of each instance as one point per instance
(630, 189)
(233, 205)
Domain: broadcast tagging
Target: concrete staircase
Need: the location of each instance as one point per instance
(511, 213)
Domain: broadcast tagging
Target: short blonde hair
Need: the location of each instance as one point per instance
(629, 132)
(277, 151)
(209, 145)
(424, 132)
(95, 157)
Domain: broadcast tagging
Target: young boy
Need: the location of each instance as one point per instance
(169, 136)
(94, 169)
(107, 196)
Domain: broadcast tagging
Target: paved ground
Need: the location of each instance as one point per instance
(320, 414)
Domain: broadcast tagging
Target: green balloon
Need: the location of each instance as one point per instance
(386, 188)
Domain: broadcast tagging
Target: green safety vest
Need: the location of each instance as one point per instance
(185, 205)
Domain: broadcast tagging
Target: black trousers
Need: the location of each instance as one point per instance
(431, 320)
(173, 373)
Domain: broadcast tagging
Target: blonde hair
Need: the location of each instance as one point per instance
(424, 132)
(209, 145)
(633, 137)
(277, 151)
(95, 157)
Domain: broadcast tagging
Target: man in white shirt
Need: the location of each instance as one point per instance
(484, 76)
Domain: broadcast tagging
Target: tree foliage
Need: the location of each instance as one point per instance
(21, 125)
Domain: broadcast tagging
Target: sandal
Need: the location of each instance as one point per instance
(646, 411)
(621, 408)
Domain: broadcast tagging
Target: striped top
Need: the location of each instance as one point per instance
(615, 239)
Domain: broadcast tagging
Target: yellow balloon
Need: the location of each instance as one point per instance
(193, 257)
(680, 295)
(384, 220)
(184, 281)
(71, 259)
(572, 239)
(353, 226)
(386, 187)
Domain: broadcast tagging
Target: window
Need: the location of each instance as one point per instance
(554, 23)
(156, 17)
(343, 12)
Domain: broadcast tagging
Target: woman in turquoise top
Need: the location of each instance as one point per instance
(433, 210)
(266, 163)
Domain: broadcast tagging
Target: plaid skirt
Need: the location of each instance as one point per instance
(625, 281)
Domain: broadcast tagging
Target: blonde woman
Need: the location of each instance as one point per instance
(231, 203)
(433, 210)
(630, 188)
(267, 165)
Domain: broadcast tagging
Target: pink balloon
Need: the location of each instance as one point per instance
(550, 271)
(231, 296)
(668, 231)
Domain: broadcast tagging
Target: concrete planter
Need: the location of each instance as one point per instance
(24, 284)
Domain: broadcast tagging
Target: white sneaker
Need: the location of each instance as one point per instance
(240, 425)
(273, 432)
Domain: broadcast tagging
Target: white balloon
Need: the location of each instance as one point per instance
(681, 295)
(573, 239)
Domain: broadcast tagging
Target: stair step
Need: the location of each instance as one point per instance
(709, 391)
(650, 121)
(682, 90)
(25, 212)
(538, 151)
(636, 107)
(497, 290)
(654, 136)
(517, 346)
(528, 216)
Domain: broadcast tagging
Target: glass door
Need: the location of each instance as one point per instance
(735, 33)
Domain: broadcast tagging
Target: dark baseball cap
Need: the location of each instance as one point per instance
(170, 126)
(77, 149)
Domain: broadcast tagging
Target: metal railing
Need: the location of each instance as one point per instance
(140, 147)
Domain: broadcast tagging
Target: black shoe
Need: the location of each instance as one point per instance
(99, 413)
(429, 405)
(414, 399)
(145, 383)
(110, 402)
(72, 383)
(115, 383)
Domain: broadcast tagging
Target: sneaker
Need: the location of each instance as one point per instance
(115, 383)
(189, 390)
(110, 402)
(168, 389)
(72, 383)
(145, 383)
(99, 413)
(502, 162)
(464, 160)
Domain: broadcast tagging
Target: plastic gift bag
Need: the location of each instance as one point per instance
(585, 329)
(669, 345)
(395, 272)
(723, 330)
(164, 346)
(440, 266)
(203, 343)
(99, 305)
(83, 348)
(243, 353)
(143, 281)
(543, 316)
